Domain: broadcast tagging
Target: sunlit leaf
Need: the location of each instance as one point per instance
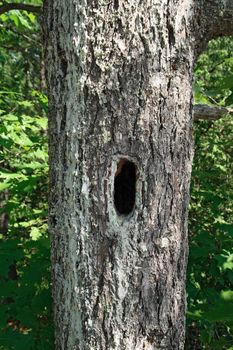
(35, 234)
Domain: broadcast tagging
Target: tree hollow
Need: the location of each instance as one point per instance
(125, 187)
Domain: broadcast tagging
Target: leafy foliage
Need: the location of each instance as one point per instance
(25, 297)
(210, 271)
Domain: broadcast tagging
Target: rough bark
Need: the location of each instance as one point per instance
(218, 17)
(120, 91)
(213, 18)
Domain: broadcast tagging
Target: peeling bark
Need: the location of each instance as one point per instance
(120, 90)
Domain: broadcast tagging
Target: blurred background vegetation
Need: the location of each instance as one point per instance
(25, 293)
(210, 268)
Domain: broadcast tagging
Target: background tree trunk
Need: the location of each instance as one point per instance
(120, 91)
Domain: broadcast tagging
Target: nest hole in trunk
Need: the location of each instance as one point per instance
(125, 186)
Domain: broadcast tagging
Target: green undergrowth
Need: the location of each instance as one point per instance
(210, 269)
(25, 287)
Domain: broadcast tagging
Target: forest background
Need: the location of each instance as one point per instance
(25, 288)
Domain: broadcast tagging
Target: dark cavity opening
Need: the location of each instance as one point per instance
(125, 186)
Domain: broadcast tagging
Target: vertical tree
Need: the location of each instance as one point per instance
(120, 125)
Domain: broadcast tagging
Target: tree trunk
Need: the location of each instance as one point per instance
(120, 129)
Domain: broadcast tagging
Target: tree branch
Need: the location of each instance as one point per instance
(220, 17)
(5, 7)
(206, 112)
(213, 18)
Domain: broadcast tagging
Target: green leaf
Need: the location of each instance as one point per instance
(227, 295)
(4, 185)
(220, 312)
(35, 233)
(225, 261)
